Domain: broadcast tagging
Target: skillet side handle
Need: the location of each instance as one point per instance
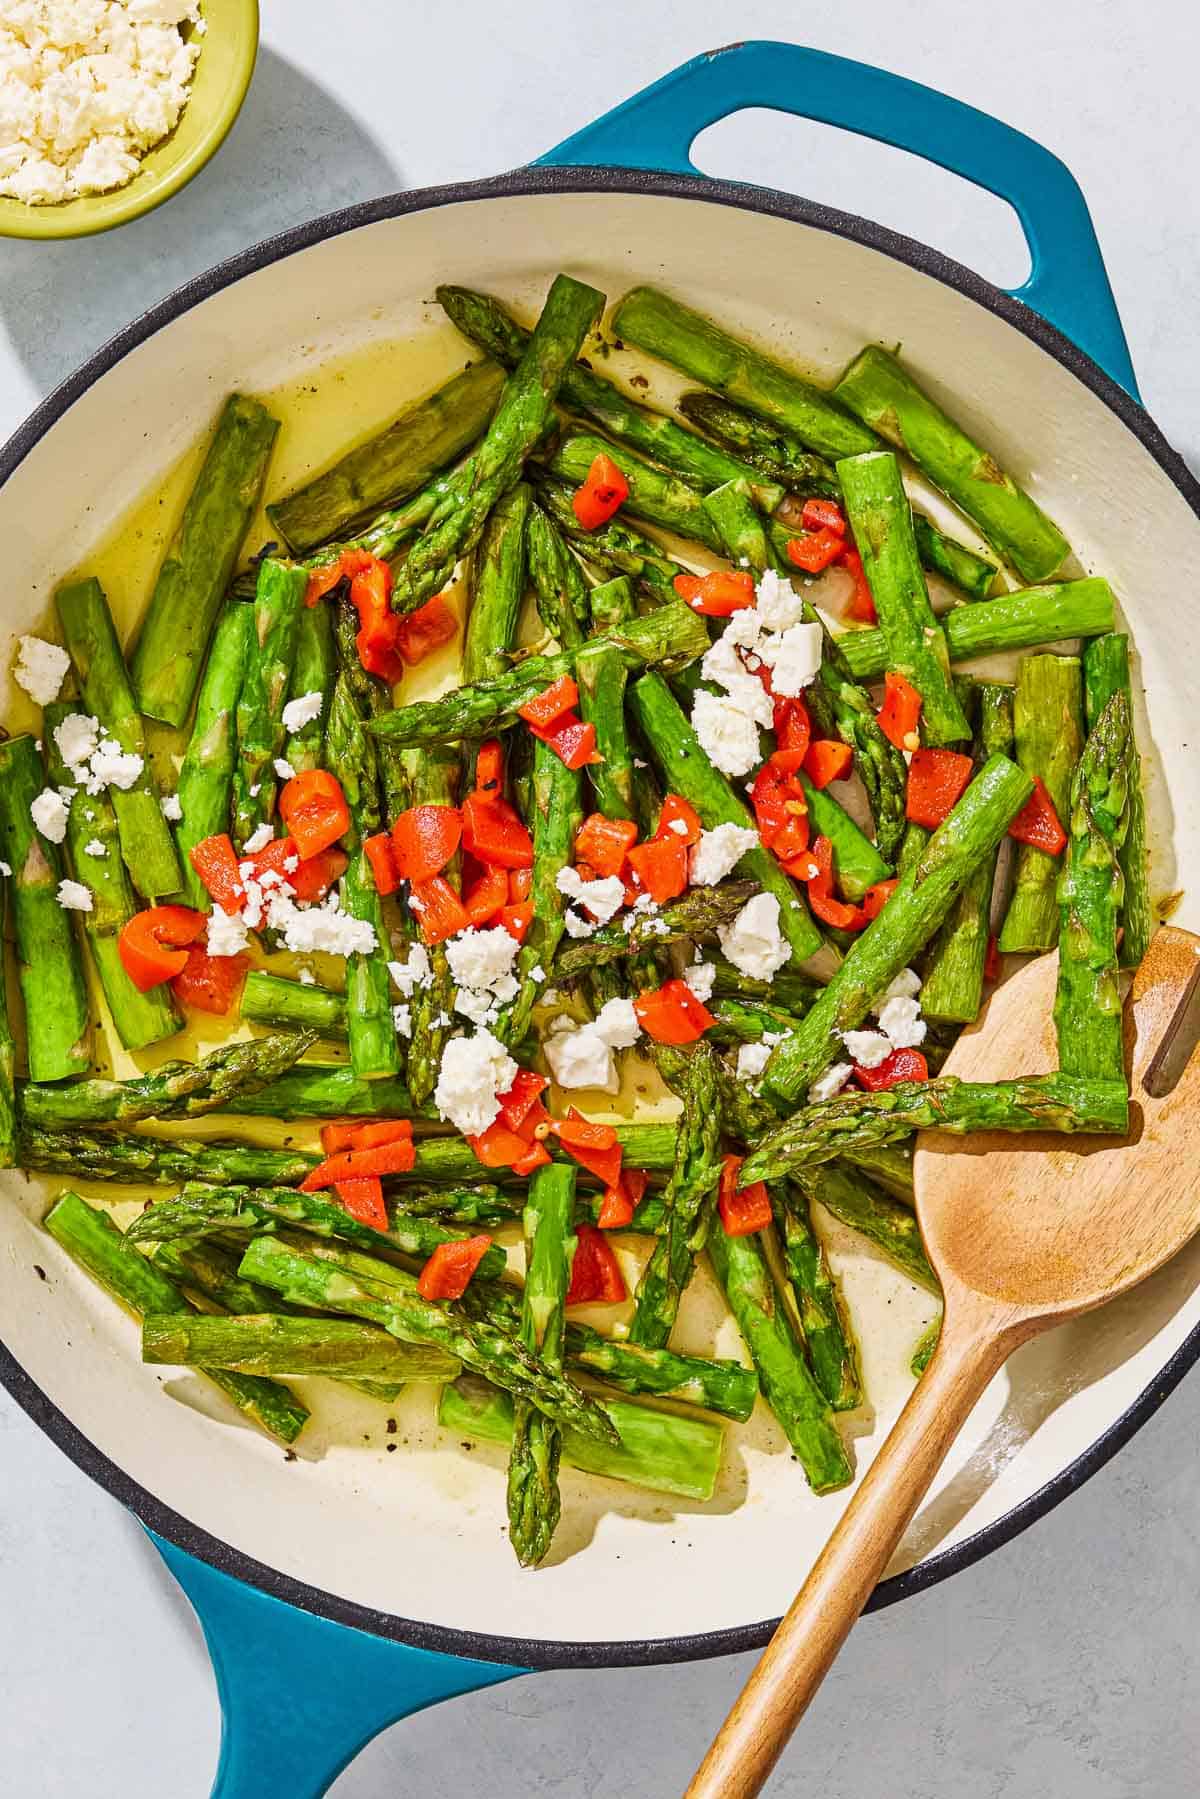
(1068, 285)
(300, 1696)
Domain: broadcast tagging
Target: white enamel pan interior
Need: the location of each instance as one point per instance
(411, 1543)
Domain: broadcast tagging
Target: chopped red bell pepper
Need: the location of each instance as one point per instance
(546, 708)
(677, 811)
(991, 960)
(536, 1156)
(363, 1198)
(489, 768)
(791, 840)
(900, 714)
(593, 1146)
(827, 760)
(486, 896)
(621, 1201)
(877, 897)
(743, 1210)
(718, 595)
(498, 1146)
(210, 983)
(823, 515)
(522, 1098)
(424, 840)
(378, 639)
(420, 633)
(355, 1135)
(379, 853)
(1037, 822)
(447, 1273)
(520, 884)
(313, 807)
(936, 782)
(153, 943)
(661, 866)
(770, 797)
(439, 911)
(816, 552)
(573, 742)
(831, 911)
(215, 862)
(902, 1065)
(517, 919)
(605, 842)
(793, 730)
(595, 1272)
(672, 1013)
(309, 877)
(861, 606)
(394, 1157)
(494, 833)
(601, 495)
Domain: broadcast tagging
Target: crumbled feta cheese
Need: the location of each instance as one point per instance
(41, 667)
(302, 711)
(474, 1072)
(905, 985)
(769, 632)
(753, 941)
(172, 807)
(94, 847)
(257, 840)
(581, 1058)
(729, 738)
(867, 1048)
(718, 852)
(111, 766)
(752, 1058)
(49, 813)
(776, 601)
(617, 1023)
(284, 769)
(324, 928)
(255, 790)
(402, 1019)
(900, 1020)
(603, 898)
(5, 870)
(701, 978)
(306, 977)
(479, 958)
(73, 896)
(76, 739)
(227, 934)
(416, 972)
(537, 974)
(551, 996)
(830, 1084)
(679, 826)
(793, 658)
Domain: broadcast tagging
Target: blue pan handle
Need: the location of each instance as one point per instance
(301, 1696)
(1068, 285)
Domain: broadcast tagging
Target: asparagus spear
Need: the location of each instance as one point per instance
(534, 1505)
(433, 777)
(272, 999)
(719, 1386)
(562, 599)
(138, 1160)
(787, 1384)
(139, 1018)
(884, 395)
(206, 777)
(687, 1203)
(497, 587)
(201, 1211)
(58, 1036)
(320, 1091)
(1105, 672)
(1048, 724)
(922, 1355)
(314, 668)
(92, 1239)
(1087, 1006)
(856, 1201)
(793, 992)
(557, 815)
(482, 319)
(858, 861)
(824, 1320)
(657, 498)
(916, 908)
(480, 1347)
(664, 328)
(697, 913)
(278, 602)
(378, 771)
(264, 1343)
(1015, 621)
(395, 462)
(525, 410)
(235, 1072)
(664, 1451)
(741, 1022)
(688, 772)
(95, 651)
(616, 547)
(670, 637)
(835, 1127)
(601, 676)
(953, 988)
(889, 1165)
(878, 512)
(8, 1091)
(195, 573)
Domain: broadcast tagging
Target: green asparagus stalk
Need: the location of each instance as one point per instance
(793, 992)
(92, 1239)
(534, 1503)
(688, 772)
(1105, 672)
(266, 678)
(234, 1073)
(497, 587)
(858, 861)
(95, 651)
(857, 1202)
(93, 857)
(717, 1386)
(58, 1036)
(487, 324)
(884, 395)
(953, 989)
(557, 815)
(601, 676)
(837, 1127)
(558, 584)
(283, 1004)
(392, 464)
(656, 497)
(922, 1355)
(687, 1203)
(916, 908)
(1015, 621)
(521, 418)
(1048, 723)
(320, 1091)
(664, 328)
(140, 1160)
(889, 1165)
(1087, 1006)
(784, 1376)
(616, 548)
(824, 1320)
(314, 668)
(671, 637)
(878, 512)
(480, 1347)
(267, 1344)
(378, 771)
(698, 913)
(191, 583)
(206, 777)
(8, 1057)
(739, 1021)
(664, 1451)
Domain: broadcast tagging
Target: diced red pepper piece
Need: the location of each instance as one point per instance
(489, 768)
(521, 1098)
(210, 983)
(547, 707)
(827, 760)
(793, 728)
(313, 807)
(447, 1273)
(718, 595)
(595, 1273)
(601, 495)
(394, 1157)
(672, 1014)
(520, 884)
(877, 897)
(573, 742)
(517, 919)
(338, 1135)
(153, 943)
(486, 897)
(901, 1065)
(620, 1202)
(420, 633)
(438, 910)
(378, 639)
(769, 798)
(493, 832)
(661, 866)
(791, 840)
(498, 1146)
(823, 515)
(1037, 822)
(309, 877)
(593, 1146)
(743, 1210)
(605, 842)
(991, 960)
(677, 811)
(424, 839)
(900, 714)
(536, 1156)
(861, 607)
(378, 1131)
(830, 910)
(936, 781)
(816, 552)
(379, 853)
(215, 862)
(363, 1198)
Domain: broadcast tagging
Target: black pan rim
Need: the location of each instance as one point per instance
(533, 1653)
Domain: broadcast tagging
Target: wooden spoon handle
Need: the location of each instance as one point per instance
(808, 1639)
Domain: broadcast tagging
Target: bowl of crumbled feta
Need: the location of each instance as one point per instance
(108, 107)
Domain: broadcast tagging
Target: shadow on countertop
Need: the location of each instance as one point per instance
(293, 154)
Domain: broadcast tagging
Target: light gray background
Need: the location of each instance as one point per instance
(1063, 1667)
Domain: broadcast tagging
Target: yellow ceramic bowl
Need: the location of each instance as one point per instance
(222, 75)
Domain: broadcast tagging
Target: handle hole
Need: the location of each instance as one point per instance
(877, 181)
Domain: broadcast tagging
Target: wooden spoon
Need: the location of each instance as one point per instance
(1044, 1229)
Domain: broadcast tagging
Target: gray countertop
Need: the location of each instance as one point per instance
(1064, 1665)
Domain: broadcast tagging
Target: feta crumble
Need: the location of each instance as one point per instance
(480, 958)
(753, 941)
(94, 760)
(582, 1055)
(49, 812)
(602, 898)
(302, 711)
(41, 667)
(474, 1072)
(729, 738)
(94, 847)
(901, 1022)
(73, 896)
(752, 1058)
(257, 840)
(172, 807)
(284, 769)
(701, 977)
(830, 1084)
(867, 1049)
(718, 852)
(771, 632)
(227, 934)
(416, 972)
